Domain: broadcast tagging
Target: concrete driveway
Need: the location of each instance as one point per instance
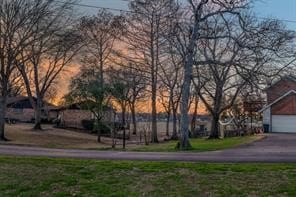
(275, 148)
(273, 143)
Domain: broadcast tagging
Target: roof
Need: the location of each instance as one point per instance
(287, 77)
(11, 100)
(279, 99)
(52, 108)
(82, 105)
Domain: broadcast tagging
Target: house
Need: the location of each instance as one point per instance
(279, 115)
(20, 109)
(71, 116)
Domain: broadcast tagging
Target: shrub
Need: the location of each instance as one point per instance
(88, 124)
(47, 120)
(103, 128)
(91, 125)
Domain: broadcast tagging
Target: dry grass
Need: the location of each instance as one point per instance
(22, 134)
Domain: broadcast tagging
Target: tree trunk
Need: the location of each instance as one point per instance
(188, 65)
(101, 66)
(37, 123)
(99, 136)
(2, 118)
(216, 111)
(113, 132)
(154, 70)
(169, 110)
(193, 123)
(123, 124)
(184, 130)
(175, 122)
(215, 127)
(167, 128)
(184, 135)
(194, 116)
(134, 121)
(154, 138)
(99, 130)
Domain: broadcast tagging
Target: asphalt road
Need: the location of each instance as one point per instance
(275, 148)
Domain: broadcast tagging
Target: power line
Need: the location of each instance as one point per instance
(107, 8)
(129, 11)
(97, 7)
(283, 20)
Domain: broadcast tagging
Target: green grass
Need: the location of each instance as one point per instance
(69, 177)
(199, 145)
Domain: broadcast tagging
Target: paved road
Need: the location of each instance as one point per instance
(275, 148)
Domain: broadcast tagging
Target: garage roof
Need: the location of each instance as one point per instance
(279, 99)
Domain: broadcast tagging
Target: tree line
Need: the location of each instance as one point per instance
(161, 51)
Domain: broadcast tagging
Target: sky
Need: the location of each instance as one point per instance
(280, 9)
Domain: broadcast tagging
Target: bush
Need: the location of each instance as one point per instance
(88, 124)
(91, 126)
(103, 128)
(43, 120)
(47, 120)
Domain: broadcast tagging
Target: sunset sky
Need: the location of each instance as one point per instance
(284, 10)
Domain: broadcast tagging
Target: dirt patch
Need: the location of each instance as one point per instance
(50, 137)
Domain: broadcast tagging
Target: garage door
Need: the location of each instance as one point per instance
(281, 123)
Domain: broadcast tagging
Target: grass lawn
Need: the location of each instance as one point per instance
(69, 177)
(200, 145)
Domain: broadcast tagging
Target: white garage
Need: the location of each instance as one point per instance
(283, 123)
(280, 115)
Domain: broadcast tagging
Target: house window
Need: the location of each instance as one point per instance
(18, 110)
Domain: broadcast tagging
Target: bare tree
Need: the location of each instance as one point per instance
(55, 44)
(164, 100)
(136, 80)
(171, 74)
(201, 10)
(147, 25)
(100, 33)
(234, 58)
(48, 58)
(17, 21)
(249, 101)
(16, 86)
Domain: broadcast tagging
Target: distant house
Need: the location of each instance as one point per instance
(71, 116)
(279, 115)
(20, 109)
